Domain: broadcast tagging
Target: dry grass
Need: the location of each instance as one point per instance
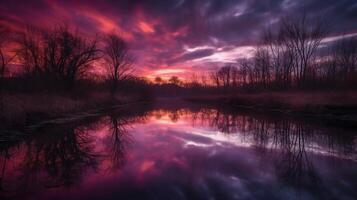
(302, 99)
(314, 101)
(18, 107)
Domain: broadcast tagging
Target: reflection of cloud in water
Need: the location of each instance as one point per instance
(185, 126)
(199, 155)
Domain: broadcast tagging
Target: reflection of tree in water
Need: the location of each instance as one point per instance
(293, 164)
(269, 131)
(8, 139)
(342, 142)
(175, 115)
(58, 155)
(223, 122)
(265, 131)
(260, 131)
(290, 138)
(55, 155)
(119, 140)
(63, 152)
(4, 157)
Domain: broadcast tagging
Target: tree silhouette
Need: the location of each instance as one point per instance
(174, 80)
(4, 58)
(118, 60)
(302, 37)
(58, 54)
(158, 80)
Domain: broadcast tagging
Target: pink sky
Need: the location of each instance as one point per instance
(174, 37)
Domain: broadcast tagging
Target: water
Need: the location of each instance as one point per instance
(181, 153)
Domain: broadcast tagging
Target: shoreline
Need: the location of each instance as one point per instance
(339, 110)
(22, 109)
(36, 108)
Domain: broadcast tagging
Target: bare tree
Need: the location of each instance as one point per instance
(67, 55)
(282, 58)
(214, 78)
(30, 50)
(58, 54)
(204, 80)
(224, 75)
(245, 68)
(118, 59)
(5, 59)
(227, 75)
(302, 37)
(345, 58)
(262, 65)
(194, 81)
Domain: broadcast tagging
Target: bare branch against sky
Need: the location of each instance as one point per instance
(177, 37)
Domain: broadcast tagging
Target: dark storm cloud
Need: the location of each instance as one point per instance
(159, 32)
(240, 21)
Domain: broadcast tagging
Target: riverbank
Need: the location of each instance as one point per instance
(326, 104)
(20, 109)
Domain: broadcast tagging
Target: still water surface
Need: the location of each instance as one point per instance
(181, 154)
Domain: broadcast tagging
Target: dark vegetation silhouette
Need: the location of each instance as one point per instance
(59, 153)
(290, 56)
(53, 72)
(295, 55)
(285, 141)
(118, 60)
(4, 59)
(293, 61)
(61, 59)
(291, 138)
(58, 56)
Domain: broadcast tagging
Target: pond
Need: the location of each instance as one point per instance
(182, 153)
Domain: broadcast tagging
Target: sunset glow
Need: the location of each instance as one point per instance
(178, 99)
(175, 37)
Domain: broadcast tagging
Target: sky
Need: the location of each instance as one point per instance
(179, 37)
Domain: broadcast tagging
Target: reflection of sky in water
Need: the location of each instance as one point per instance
(184, 156)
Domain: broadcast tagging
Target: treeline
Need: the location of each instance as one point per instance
(61, 58)
(294, 55)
